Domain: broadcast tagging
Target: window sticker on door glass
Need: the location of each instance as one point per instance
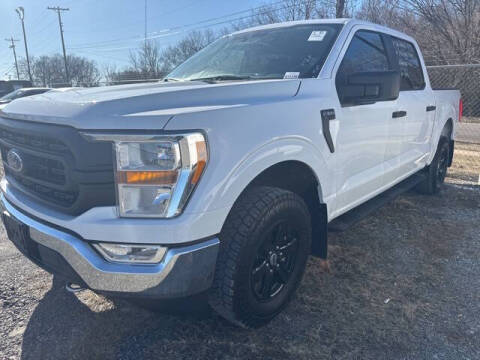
(317, 35)
(291, 75)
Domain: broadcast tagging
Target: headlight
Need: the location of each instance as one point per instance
(156, 174)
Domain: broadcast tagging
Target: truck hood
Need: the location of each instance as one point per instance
(143, 106)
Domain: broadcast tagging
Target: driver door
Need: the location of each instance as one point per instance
(363, 142)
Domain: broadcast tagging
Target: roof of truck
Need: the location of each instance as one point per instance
(344, 21)
(293, 23)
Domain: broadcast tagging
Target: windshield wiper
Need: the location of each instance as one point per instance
(212, 79)
(171, 79)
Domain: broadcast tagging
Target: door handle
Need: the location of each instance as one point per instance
(399, 114)
(431, 108)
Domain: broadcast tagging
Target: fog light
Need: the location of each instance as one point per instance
(129, 253)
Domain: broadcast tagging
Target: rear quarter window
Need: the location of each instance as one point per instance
(411, 72)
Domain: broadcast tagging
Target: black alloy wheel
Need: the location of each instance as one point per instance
(275, 261)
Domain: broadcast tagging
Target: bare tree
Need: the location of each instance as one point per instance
(109, 72)
(82, 71)
(185, 48)
(49, 70)
(448, 31)
(127, 76)
(287, 10)
(146, 61)
(389, 13)
(340, 8)
(291, 10)
(453, 23)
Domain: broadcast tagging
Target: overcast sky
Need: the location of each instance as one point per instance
(105, 30)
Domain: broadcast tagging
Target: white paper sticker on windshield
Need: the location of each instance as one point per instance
(317, 35)
(291, 75)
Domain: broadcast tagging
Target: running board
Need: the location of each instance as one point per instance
(343, 222)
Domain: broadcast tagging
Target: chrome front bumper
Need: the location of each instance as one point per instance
(184, 271)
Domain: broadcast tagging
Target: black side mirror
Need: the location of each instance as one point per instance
(369, 87)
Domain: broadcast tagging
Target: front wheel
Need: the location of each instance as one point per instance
(437, 170)
(264, 246)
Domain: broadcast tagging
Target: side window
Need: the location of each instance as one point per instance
(36, 92)
(409, 65)
(366, 52)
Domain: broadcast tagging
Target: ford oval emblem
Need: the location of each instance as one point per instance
(14, 160)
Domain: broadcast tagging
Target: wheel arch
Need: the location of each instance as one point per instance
(447, 132)
(445, 129)
(300, 178)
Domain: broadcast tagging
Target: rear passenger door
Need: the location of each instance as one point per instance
(416, 101)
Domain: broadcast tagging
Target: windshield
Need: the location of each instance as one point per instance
(22, 93)
(13, 95)
(286, 52)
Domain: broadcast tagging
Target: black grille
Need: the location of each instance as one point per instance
(47, 193)
(33, 141)
(45, 169)
(60, 168)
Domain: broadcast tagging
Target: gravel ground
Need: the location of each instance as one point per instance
(403, 284)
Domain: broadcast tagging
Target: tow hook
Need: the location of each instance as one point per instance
(73, 288)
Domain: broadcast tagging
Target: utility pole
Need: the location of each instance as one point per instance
(12, 40)
(59, 13)
(21, 14)
(145, 24)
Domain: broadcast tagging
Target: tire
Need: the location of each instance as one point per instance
(437, 170)
(264, 247)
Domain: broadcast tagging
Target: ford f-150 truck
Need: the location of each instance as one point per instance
(223, 178)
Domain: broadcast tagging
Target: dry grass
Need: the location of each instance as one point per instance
(466, 164)
(470, 119)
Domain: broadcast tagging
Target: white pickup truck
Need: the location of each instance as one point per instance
(227, 175)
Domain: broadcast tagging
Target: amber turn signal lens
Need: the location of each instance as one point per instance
(202, 161)
(147, 177)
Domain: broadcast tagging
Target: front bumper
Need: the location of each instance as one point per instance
(184, 271)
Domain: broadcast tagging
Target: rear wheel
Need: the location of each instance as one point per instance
(437, 170)
(264, 246)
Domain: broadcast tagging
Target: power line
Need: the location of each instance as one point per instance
(44, 41)
(103, 56)
(50, 23)
(60, 24)
(135, 23)
(12, 46)
(123, 47)
(107, 42)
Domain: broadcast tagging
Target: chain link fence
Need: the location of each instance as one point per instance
(466, 78)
